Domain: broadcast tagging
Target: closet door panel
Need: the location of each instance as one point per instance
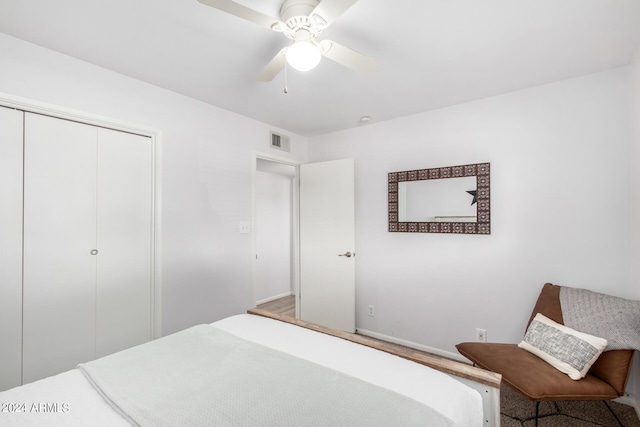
(59, 235)
(124, 241)
(10, 247)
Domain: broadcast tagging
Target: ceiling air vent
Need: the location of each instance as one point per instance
(280, 142)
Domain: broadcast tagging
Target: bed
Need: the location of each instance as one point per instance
(246, 370)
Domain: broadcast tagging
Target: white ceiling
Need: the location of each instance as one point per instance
(430, 53)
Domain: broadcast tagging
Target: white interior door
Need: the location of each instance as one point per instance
(59, 235)
(327, 244)
(10, 247)
(124, 241)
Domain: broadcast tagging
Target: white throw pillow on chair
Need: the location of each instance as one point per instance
(569, 351)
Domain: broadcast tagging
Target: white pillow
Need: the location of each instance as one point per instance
(565, 349)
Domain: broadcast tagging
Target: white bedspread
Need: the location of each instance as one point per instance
(79, 404)
(203, 376)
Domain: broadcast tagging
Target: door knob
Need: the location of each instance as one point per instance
(347, 254)
(94, 252)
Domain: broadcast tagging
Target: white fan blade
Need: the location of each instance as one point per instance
(330, 10)
(348, 57)
(273, 67)
(241, 12)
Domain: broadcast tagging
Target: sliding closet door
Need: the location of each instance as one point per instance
(124, 233)
(10, 247)
(59, 237)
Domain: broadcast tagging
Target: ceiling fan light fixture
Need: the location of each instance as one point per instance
(303, 55)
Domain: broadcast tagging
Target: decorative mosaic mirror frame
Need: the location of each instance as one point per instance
(483, 200)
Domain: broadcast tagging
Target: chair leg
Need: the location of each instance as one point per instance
(613, 413)
(537, 409)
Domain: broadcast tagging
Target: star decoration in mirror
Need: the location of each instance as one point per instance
(475, 198)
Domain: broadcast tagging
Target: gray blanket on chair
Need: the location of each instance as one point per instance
(615, 319)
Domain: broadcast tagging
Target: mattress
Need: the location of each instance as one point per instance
(69, 399)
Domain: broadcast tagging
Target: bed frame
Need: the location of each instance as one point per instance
(487, 383)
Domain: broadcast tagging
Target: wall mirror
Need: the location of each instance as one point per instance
(453, 199)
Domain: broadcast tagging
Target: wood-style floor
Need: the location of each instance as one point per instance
(285, 306)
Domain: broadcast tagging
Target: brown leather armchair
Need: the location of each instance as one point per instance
(537, 380)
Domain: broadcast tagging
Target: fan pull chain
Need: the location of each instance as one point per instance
(286, 89)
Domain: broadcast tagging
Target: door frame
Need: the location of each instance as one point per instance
(155, 135)
(295, 224)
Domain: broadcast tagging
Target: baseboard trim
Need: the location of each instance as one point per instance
(427, 349)
(629, 401)
(273, 298)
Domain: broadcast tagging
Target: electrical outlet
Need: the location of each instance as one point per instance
(481, 335)
(371, 311)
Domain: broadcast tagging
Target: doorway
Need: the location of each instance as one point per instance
(275, 230)
(310, 226)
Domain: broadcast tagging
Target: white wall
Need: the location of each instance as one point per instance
(560, 197)
(206, 174)
(560, 185)
(635, 196)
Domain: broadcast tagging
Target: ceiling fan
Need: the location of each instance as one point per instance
(301, 21)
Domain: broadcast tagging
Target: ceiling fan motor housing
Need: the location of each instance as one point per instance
(296, 14)
(294, 8)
